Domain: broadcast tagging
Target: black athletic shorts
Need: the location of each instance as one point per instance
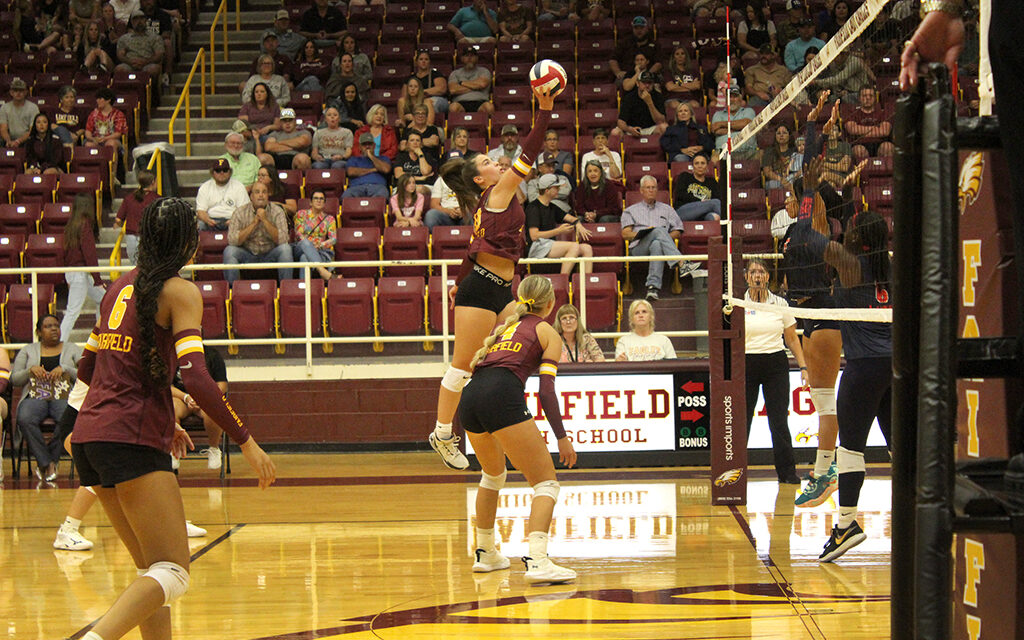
(484, 290)
(471, 106)
(108, 464)
(816, 302)
(492, 400)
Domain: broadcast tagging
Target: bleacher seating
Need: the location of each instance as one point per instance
(400, 305)
(350, 306)
(253, 308)
(292, 307)
(215, 294)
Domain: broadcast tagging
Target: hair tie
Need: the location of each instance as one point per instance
(527, 301)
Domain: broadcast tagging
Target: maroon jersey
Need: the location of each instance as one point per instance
(499, 233)
(119, 407)
(518, 349)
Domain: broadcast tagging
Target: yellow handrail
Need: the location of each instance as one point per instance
(238, 15)
(186, 99)
(222, 10)
(115, 255)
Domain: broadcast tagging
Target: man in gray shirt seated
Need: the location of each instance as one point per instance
(17, 115)
(290, 146)
(258, 232)
(470, 85)
(139, 50)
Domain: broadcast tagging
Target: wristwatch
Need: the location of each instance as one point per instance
(952, 7)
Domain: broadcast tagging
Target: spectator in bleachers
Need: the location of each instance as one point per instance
(316, 234)
(741, 117)
(343, 72)
(218, 197)
(756, 30)
(83, 12)
(258, 232)
(412, 97)
(17, 115)
(506, 163)
(651, 228)
(444, 207)
(765, 79)
(470, 85)
(641, 344)
(796, 49)
(869, 128)
(261, 112)
(884, 33)
(44, 152)
(474, 24)
(577, 343)
(786, 30)
(829, 22)
(686, 137)
(682, 80)
(71, 38)
(716, 89)
(641, 40)
(610, 161)
(509, 147)
(252, 142)
(709, 8)
(106, 124)
(80, 251)
(43, 25)
(430, 135)
(332, 145)
(93, 50)
(367, 172)
(360, 61)
(777, 158)
(111, 27)
(545, 221)
(244, 165)
(547, 164)
(278, 86)
(385, 139)
(310, 71)
(351, 109)
(515, 22)
(271, 47)
(595, 10)
(290, 145)
(289, 42)
(123, 9)
(796, 161)
(139, 50)
(642, 110)
(130, 212)
(459, 144)
(597, 199)
(364, 3)
(564, 165)
(323, 23)
(696, 195)
(414, 162)
(268, 175)
(160, 23)
(849, 74)
(434, 84)
(640, 65)
(838, 159)
(408, 202)
(65, 122)
(557, 10)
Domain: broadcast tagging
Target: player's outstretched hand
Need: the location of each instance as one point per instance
(566, 454)
(260, 462)
(181, 443)
(545, 100)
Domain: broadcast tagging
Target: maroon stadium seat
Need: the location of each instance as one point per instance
(350, 306)
(435, 34)
(593, 117)
(6, 187)
(516, 52)
(695, 235)
(252, 309)
(385, 76)
(437, 300)
(215, 308)
(748, 203)
(642, 149)
(633, 171)
(746, 173)
(597, 95)
(476, 123)
(564, 122)
(511, 74)
(633, 197)
(606, 240)
(438, 11)
(593, 71)
(400, 305)
(362, 243)
(292, 180)
(449, 243)
(559, 50)
(878, 169)
(879, 199)
(523, 120)
(756, 234)
(331, 205)
(292, 306)
(602, 302)
(72, 184)
(37, 188)
(95, 160)
(11, 246)
(330, 181)
(12, 160)
(512, 98)
(45, 250)
(395, 52)
(21, 219)
(55, 217)
(211, 251)
(560, 282)
(19, 310)
(387, 96)
(406, 243)
(363, 212)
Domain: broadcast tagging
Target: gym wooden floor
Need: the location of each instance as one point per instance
(366, 546)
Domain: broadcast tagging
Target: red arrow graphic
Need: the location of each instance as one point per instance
(693, 387)
(690, 416)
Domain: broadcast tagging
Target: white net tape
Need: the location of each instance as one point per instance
(848, 314)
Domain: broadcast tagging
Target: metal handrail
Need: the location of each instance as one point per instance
(222, 10)
(185, 98)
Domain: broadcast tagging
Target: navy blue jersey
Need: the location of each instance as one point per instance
(807, 273)
(866, 339)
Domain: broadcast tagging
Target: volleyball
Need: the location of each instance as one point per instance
(548, 75)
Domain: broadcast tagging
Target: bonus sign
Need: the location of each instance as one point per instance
(692, 410)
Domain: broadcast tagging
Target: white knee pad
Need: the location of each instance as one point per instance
(849, 461)
(454, 379)
(494, 483)
(824, 399)
(172, 578)
(549, 488)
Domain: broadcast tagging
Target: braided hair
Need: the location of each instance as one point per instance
(168, 238)
(535, 292)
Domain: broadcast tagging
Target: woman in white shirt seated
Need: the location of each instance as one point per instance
(641, 344)
(768, 366)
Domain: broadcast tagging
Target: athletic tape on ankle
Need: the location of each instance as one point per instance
(849, 461)
(494, 483)
(172, 578)
(549, 488)
(824, 399)
(454, 379)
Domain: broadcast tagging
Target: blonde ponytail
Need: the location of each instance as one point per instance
(535, 292)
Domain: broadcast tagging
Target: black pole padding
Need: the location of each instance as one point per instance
(981, 132)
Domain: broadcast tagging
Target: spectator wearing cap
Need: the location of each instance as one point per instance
(106, 124)
(515, 22)
(367, 172)
(261, 111)
(218, 197)
(610, 161)
(271, 47)
(288, 41)
(252, 142)
(741, 115)
(765, 79)
(595, 10)
(640, 40)
(557, 10)
(757, 29)
(470, 85)
(244, 165)
(565, 164)
(276, 82)
(474, 24)
(258, 232)
(435, 85)
(547, 165)
(17, 115)
(787, 30)
(642, 111)
(510, 147)
(139, 50)
(332, 145)
(695, 195)
(796, 49)
(323, 23)
(291, 145)
(545, 221)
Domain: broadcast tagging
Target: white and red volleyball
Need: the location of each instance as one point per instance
(548, 75)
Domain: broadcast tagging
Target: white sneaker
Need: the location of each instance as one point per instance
(490, 561)
(213, 457)
(688, 268)
(175, 463)
(193, 531)
(449, 452)
(543, 570)
(71, 541)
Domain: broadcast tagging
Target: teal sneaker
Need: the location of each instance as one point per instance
(819, 489)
